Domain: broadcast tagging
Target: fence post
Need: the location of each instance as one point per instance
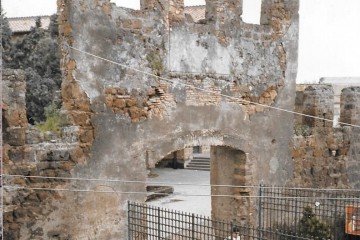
(159, 231)
(129, 226)
(193, 226)
(296, 210)
(260, 210)
(336, 212)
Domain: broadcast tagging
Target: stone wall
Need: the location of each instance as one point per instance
(325, 156)
(128, 121)
(122, 121)
(29, 152)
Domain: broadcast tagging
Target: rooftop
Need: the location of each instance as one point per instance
(196, 12)
(24, 24)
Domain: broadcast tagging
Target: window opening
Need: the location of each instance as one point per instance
(251, 11)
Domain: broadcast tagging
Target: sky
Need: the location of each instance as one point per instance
(329, 43)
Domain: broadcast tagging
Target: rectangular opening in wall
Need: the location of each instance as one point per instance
(251, 11)
(133, 4)
(195, 8)
(194, 2)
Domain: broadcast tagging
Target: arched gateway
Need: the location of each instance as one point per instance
(127, 119)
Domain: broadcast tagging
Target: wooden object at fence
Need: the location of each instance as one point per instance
(352, 226)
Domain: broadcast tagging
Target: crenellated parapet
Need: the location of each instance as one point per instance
(350, 105)
(278, 9)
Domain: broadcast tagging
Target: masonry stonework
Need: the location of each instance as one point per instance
(326, 156)
(122, 121)
(128, 121)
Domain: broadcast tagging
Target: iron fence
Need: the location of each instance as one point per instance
(320, 214)
(283, 214)
(150, 223)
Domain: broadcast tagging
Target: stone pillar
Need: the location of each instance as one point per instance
(350, 105)
(229, 167)
(172, 10)
(223, 11)
(14, 107)
(318, 102)
(176, 11)
(350, 113)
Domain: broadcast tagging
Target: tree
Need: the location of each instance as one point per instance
(38, 54)
(311, 226)
(6, 40)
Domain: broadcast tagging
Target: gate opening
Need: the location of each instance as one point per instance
(213, 187)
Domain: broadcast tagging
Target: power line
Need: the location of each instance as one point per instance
(178, 183)
(176, 194)
(208, 91)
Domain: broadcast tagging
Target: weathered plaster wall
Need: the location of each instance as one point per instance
(129, 120)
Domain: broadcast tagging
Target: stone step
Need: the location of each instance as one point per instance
(199, 163)
(198, 168)
(200, 160)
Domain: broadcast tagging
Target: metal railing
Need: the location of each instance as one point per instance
(150, 223)
(283, 214)
(307, 211)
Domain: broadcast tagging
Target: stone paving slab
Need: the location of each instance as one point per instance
(178, 200)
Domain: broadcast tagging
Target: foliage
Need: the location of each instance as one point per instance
(38, 54)
(310, 225)
(155, 63)
(302, 130)
(54, 120)
(6, 38)
(40, 91)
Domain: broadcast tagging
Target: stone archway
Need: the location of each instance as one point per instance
(231, 200)
(230, 167)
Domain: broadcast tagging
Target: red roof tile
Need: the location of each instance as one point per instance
(196, 12)
(24, 24)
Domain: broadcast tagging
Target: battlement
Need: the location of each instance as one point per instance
(227, 11)
(319, 100)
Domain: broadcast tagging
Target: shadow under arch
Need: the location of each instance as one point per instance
(230, 167)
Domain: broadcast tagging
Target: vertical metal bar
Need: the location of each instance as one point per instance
(336, 212)
(260, 225)
(129, 226)
(159, 232)
(193, 226)
(296, 209)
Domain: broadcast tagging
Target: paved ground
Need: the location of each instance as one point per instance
(181, 199)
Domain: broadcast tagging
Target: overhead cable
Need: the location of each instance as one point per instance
(206, 90)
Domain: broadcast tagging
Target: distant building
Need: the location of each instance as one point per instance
(196, 12)
(22, 25)
(338, 83)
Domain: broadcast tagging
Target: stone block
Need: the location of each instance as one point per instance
(86, 136)
(135, 113)
(34, 136)
(80, 118)
(58, 155)
(119, 103)
(15, 136)
(131, 102)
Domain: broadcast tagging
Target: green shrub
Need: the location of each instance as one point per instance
(155, 63)
(54, 120)
(311, 226)
(302, 130)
